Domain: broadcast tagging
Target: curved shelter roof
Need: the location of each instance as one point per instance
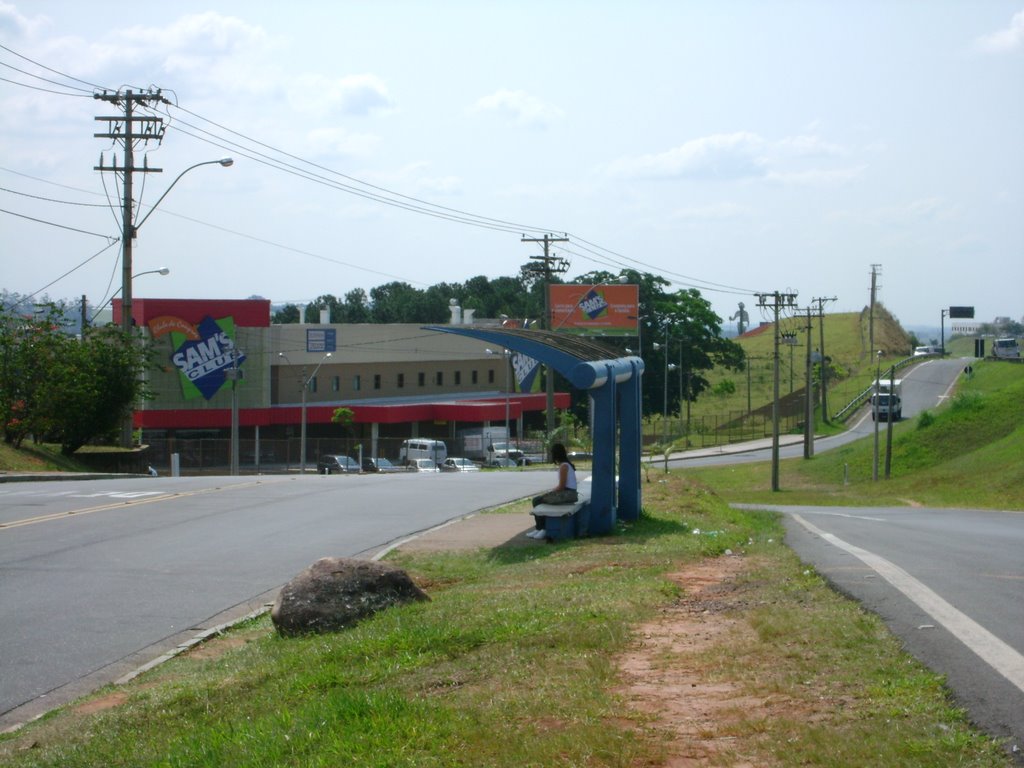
(614, 385)
(584, 362)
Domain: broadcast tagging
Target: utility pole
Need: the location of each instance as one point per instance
(888, 422)
(548, 265)
(824, 363)
(809, 395)
(876, 270)
(776, 301)
(129, 130)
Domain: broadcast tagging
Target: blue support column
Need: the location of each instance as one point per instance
(630, 495)
(602, 494)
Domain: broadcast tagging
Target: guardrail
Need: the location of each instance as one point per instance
(864, 396)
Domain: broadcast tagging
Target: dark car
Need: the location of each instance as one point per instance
(335, 464)
(379, 465)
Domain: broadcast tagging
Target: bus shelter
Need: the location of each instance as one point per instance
(613, 384)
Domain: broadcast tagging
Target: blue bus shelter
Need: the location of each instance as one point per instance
(613, 383)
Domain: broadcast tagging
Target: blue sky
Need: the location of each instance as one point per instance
(734, 147)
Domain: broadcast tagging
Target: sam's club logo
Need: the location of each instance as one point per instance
(594, 305)
(202, 353)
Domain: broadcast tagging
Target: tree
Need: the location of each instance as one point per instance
(58, 388)
(356, 308)
(328, 302)
(289, 313)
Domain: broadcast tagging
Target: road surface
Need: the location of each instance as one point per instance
(102, 576)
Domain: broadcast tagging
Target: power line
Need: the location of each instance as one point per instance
(55, 224)
(51, 69)
(51, 199)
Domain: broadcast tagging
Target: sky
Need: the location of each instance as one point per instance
(733, 147)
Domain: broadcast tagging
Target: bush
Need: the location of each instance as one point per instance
(925, 420)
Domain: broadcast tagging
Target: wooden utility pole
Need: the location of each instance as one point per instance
(548, 265)
(776, 301)
(129, 130)
(824, 361)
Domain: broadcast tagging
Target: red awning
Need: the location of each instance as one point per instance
(492, 409)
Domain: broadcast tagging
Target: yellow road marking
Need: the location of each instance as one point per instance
(120, 505)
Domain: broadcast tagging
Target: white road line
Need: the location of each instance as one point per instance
(993, 651)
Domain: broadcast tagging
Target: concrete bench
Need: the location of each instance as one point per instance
(565, 521)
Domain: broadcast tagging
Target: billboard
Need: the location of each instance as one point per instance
(962, 312)
(594, 310)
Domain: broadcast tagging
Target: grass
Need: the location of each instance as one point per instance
(37, 458)
(964, 454)
(513, 663)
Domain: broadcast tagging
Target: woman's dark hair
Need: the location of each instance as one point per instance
(558, 454)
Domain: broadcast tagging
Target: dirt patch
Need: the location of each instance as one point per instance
(101, 703)
(663, 679)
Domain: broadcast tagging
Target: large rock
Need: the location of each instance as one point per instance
(334, 593)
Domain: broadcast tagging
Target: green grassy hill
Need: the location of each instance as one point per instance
(847, 343)
(966, 453)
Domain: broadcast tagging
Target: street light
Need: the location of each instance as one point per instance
(508, 434)
(131, 231)
(876, 398)
(305, 389)
(668, 367)
(128, 234)
(161, 271)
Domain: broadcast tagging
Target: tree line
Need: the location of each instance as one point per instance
(62, 383)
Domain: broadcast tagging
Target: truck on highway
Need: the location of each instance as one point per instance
(887, 402)
(1006, 349)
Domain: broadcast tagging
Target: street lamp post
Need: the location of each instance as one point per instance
(131, 231)
(878, 390)
(96, 312)
(668, 367)
(128, 234)
(505, 360)
(305, 389)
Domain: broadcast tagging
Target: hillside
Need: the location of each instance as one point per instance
(847, 343)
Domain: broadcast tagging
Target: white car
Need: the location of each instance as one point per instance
(457, 464)
(422, 465)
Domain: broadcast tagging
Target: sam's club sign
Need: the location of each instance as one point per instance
(202, 353)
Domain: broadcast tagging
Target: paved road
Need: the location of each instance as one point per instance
(101, 576)
(925, 386)
(948, 582)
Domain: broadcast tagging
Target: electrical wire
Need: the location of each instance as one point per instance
(51, 69)
(73, 269)
(55, 224)
(330, 178)
(51, 199)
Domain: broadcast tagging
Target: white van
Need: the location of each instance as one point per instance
(421, 448)
(1006, 349)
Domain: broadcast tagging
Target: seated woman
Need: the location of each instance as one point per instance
(563, 493)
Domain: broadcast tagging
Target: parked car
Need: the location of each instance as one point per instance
(422, 465)
(501, 463)
(458, 464)
(581, 456)
(380, 464)
(334, 464)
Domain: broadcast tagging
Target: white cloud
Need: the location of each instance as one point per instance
(15, 24)
(1005, 40)
(520, 106)
(337, 141)
(352, 95)
(742, 156)
(720, 156)
(818, 177)
(715, 212)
